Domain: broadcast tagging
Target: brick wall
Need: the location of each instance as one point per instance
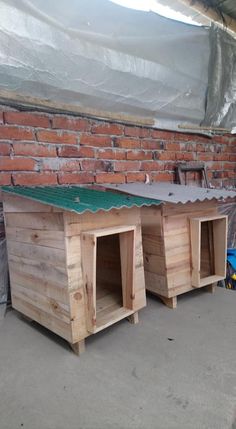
(39, 149)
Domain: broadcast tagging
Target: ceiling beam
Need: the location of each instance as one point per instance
(209, 13)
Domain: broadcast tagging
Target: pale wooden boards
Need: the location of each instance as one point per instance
(172, 248)
(53, 262)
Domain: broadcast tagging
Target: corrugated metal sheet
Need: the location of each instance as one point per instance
(78, 199)
(173, 193)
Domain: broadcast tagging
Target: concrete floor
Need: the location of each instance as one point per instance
(176, 369)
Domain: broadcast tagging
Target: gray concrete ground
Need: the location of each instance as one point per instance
(176, 369)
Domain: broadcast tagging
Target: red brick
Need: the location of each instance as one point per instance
(34, 149)
(126, 166)
(162, 135)
(108, 129)
(127, 143)
(70, 123)
(162, 177)
(96, 141)
(92, 165)
(111, 154)
(168, 156)
(139, 155)
(5, 179)
(186, 156)
(110, 178)
(152, 166)
(200, 148)
(221, 157)
(27, 118)
(70, 165)
(205, 157)
(76, 152)
(35, 179)
(172, 146)
(220, 139)
(77, 178)
(16, 133)
(19, 164)
(135, 177)
(229, 166)
(60, 137)
(151, 144)
(5, 149)
(137, 132)
(232, 158)
(170, 166)
(215, 166)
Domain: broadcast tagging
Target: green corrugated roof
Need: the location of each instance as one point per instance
(78, 199)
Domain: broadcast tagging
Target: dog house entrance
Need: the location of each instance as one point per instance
(208, 244)
(108, 269)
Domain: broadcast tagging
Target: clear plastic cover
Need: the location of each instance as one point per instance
(96, 54)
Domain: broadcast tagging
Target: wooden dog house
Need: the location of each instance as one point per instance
(75, 258)
(184, 238)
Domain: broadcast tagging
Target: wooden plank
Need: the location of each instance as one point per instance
(210, 279)
(102, 232)
(171, 209)
(220, 228)
(182, 278)
(40, 253)
(176, 241)
(195, 227)
(36, 236)
(78, 347)
(48, 305)
(154, 263)
(44, 287)
(89, 256)
(169, 302)
(133, 318)
(112, 317)
(127, 256)
(50, 274)
(153, 244)
(20, 204)
(155, 283)
(75, 224)
(44, 221)
(51, 322)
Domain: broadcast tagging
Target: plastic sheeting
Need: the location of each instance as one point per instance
(221, 97)
(96, 54)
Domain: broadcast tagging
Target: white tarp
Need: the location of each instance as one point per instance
(96, 54)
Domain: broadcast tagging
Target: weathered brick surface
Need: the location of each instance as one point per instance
(39, 148)
(31, 119)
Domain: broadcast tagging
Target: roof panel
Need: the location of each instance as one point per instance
(79, 199)
(171, 193)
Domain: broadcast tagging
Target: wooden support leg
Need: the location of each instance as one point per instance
(133, 318)
(78, 348)
(169, 302)
(211, 288)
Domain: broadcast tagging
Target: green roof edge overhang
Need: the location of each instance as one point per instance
(79, 199)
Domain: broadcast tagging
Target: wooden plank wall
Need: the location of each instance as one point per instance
(37, 262)
(167, 247)
(74, 226)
